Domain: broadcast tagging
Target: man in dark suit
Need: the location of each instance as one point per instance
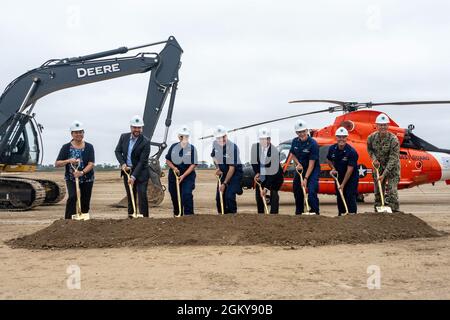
(132, 152)
(265, 160)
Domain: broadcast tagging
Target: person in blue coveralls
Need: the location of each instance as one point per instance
(229, 168)
(182, 160)
(305, 154)
(343, 160)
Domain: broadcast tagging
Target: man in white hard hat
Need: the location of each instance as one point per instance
(225, 155)
(182, 160)
(384, 149)
(305, 153)
(265, 161)
(132, 152)
(78, 153)
(343, 160)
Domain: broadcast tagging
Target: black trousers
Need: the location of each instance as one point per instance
(274, 201)
(140, 194)
(85, 195)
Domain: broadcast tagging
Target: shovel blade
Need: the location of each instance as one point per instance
(384, 209)
(82, 216)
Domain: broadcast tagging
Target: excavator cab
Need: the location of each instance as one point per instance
(25, 154)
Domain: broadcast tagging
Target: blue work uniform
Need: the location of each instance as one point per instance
(342, 159)
(182, 158)
(227, 156)
(305, 151)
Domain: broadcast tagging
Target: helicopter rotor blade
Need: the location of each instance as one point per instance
(270, 121)
(404, 103)
(341, 103)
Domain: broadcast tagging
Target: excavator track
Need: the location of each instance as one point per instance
(54, 191)
(20, 194)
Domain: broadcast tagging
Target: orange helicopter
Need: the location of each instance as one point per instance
(421, 162)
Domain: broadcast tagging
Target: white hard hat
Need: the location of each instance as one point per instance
(300, 125)
(184, 131)
(76, 126)
(341, 132)
(136, 121)
(220, 131)
(263, 133)
(382, 119)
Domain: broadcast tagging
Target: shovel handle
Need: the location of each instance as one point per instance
(266, 209)
(380, 187)
(77, 186)
(131, 192)
(177, 178)
(340, 191)
(335, 176)
(305, 195)
(219, 184)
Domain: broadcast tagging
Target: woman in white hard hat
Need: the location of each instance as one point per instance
(77, 153)
(343, 160)
(182, 160)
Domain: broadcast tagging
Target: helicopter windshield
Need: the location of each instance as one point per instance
(412, 141)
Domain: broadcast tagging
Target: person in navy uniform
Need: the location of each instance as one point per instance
(268, 172)
(229, 167)
(132, 153)
(343, 160)
(305, 153)
(182, 160)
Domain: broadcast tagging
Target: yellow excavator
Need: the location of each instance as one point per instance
(20, 135)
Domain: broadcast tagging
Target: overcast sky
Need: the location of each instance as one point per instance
(242, 62)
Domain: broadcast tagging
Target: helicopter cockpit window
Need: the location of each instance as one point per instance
(323, 152)
(412, 141)
(284, 152)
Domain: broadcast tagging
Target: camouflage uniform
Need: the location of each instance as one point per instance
(387, 151)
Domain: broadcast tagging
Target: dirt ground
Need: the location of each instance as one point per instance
(416, 268)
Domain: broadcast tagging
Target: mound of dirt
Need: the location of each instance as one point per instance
(241, 229)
